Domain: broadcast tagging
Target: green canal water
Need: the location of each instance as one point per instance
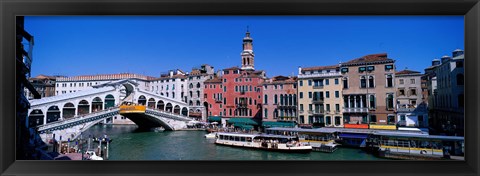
(131, 144)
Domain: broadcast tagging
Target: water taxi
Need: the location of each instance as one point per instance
(263, 141)
(322, 140)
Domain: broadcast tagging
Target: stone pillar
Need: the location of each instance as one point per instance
(355, 101)
(349, 104)
(361, 101)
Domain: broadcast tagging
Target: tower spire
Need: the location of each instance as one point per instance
(247, 53)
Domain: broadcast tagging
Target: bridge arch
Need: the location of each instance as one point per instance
(83, 107)
(35, 118)
(109, 101)
(169, 107)
(151, 103)
(142, 100)
(161, 105)
(53, 114)
(184, 111)
(176, 110)
(97, 104)
(68, 110)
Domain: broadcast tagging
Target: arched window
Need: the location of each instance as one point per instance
(281, 99)
(275, 100)
(198, 85)
(389, 101)
(190, 86)
(265, 113)
(460, 79)
(371, 82)
(265, 99)
(363, 82)
(389, 81)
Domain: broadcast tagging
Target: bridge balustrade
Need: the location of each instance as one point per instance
(70, 121)
(172, 115)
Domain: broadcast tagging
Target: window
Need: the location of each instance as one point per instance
(401, 92)
(327, 94)
(301, 107)
(344, 70)
(338, 120)
(389, 101)
(327, 107)
(363, 82)
(265, 99)
(371, 68)
(389, 81)
(226, 72)
(373, 118)
(412, 81)
(265, 113)
(309, 94)
(309, 82)
(371, 82)
(460, 79)
(372, 101)
(401, 81)
(275, 99)
(413, 92)
(388, 67)
(345, 83)
(327, 81)
(459, 64)
(265, 87)
(337, 107)
(361, 69)
(329, 120)
(301, 95)
(224, 88)
(300, 82)
(336, 81)
(391, 119)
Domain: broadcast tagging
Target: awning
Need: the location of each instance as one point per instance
(242, 121)
(247, 127)
(278, 124)
(350, 135)
(214, 118)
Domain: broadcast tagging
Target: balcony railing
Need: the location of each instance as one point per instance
(318, 101)
(243, 105)
(300, 111)
(318, 112)
(318, 87)
(218, 101)
(310, 112)
(361, 110)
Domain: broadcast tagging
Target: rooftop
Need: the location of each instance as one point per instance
(320, 68)
(407, 72)
(370, 59)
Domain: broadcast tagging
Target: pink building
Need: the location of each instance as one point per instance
(280, 99)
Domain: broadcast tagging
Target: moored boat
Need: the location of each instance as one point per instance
(211, 135)
(263, 141)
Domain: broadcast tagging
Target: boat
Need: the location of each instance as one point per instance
(268, 142)
(211, 135)
(92, 155)
(159, 129)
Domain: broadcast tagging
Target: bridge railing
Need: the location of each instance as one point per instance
(75, 119)
(173, 115)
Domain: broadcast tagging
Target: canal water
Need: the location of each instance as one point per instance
(129, 143)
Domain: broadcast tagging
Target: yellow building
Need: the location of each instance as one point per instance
(320, 97)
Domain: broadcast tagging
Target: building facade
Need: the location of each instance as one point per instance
(368, 90)
(447, 109)
(410, 108)
(280, 99)
(45, 86)
(196, 87)
(241, 88)
(320, 97)
(172, 85)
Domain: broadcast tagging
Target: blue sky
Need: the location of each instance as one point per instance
(149, 45)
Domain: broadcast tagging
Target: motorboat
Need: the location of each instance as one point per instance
(263, 141)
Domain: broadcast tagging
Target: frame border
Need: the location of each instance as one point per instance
(10, 8)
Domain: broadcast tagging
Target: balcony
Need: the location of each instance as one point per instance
(319, 75)
(300, 111)
(318, 112)
(318, 101)
(318, 87)
(287, 119)
(310, 112)
(242, 105)
(355, 110)
(337, 111)
(286, 106)
(242, 92)
(218, 101)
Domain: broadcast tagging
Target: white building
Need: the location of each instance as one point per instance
(411, 112)
(172, 85)
(196, 86)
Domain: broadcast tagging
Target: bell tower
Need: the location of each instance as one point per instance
(247, 53)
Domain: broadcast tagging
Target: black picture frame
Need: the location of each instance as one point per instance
(9, 9)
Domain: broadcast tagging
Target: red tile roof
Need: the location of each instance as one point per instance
(372, 58)
(214, 80)
(232, 68)
(405, 72)
(329, 67)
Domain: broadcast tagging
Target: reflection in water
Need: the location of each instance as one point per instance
(131, 143)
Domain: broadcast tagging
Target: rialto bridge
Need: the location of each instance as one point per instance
(66, 116)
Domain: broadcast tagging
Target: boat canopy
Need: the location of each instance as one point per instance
(350, 135)
(278, 124)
